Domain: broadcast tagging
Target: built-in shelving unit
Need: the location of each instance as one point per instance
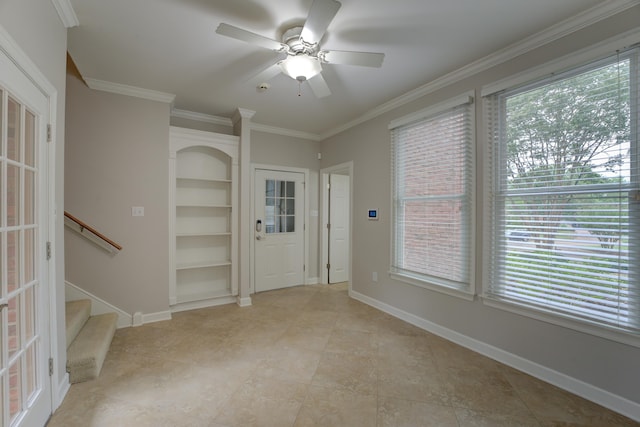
(203, 169)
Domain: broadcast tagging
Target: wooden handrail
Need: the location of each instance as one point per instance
(84, 226)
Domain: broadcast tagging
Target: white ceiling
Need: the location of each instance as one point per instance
(171, 46)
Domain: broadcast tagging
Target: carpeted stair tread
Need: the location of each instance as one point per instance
(88, 351)
(76, 314)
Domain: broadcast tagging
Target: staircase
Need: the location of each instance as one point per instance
(88, 340)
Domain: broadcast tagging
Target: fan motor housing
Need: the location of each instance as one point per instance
(291, 38)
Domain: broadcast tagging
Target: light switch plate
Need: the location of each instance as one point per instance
(137, 211)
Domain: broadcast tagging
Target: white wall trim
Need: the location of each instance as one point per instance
(285, 132)
(98, 305)
(243, 302)
(555, 32)
(257, 127)
(156, 317)
(137, 92)
(66, 13)
(200, 117)
(61, 392)
(313, 280)
(602, 397)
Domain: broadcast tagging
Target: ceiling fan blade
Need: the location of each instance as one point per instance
(320, 16)
(249, 37)
(319, 86)
(266, 74)
(363, 59)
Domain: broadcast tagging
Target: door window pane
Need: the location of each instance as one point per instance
(29, 256)
(13, 311)
(13, 130)
(13, 195)
(29, 202)
(29, 139)
(15, 390)
(279, 204)
(13, 260)
(29, 313)
(31, 371)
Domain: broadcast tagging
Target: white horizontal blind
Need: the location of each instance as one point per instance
(565, 201)
(432, 177)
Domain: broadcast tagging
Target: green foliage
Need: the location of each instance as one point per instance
(573, 132)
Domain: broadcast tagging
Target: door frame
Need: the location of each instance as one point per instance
(252, 230)
(48, 196)
(344, 169)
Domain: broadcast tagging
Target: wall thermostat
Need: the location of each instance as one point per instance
(373, 214)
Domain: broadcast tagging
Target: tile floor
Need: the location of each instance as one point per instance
(309, 356)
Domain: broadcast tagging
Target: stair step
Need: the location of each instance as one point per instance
(77, 313)
(87, 352)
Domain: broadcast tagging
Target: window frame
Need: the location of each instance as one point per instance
(432, 283)
(575, 63)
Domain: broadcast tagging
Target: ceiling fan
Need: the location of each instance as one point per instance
(304, 58)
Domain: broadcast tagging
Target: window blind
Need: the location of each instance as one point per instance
(432, 170)
(565, 197)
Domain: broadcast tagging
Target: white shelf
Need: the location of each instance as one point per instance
(224, 181)
(203, 264)
(204, 173)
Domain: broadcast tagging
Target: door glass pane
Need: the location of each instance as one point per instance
(29, 314)
(291, 189)
(270, 188)
(13, 260)
(13, 311)
(29, 202)
(13, 195)
(291, 224)
(291, 207)
(31, 371)
(13, 130)
(29, 139)
(15, 390)
(29, 256)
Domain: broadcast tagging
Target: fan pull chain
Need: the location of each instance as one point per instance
(299, 88)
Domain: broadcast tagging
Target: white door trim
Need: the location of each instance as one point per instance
(9, 46)
(254, 167)
(345, 169)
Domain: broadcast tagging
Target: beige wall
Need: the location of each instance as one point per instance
(38, 31)
(116, 158)
(279, 150)
(592, 360)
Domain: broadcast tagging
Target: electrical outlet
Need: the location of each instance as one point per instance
(374, 276)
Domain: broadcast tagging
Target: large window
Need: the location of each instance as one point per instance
(432, 161)
(565, 200)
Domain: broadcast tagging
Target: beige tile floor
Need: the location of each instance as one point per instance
(309, 356)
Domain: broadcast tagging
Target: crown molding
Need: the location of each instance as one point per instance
(555, 32)
(127, 90)
(285, 132)
(200, 117)
(66, 13)
(224, 121)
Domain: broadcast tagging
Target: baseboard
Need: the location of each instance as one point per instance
(243, 302)
(156, 317)
(196, 305)
(98, 305)
(607, 399)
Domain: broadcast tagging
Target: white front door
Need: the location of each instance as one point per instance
(278, 229)
(339, 228)
(25, 385)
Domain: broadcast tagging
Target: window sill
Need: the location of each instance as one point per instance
(467, 295)
(575, 324)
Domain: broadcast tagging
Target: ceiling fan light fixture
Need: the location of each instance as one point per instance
(300, 67)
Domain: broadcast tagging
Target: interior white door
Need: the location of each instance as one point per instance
(339, 228)
(279, 229)
(25, 385)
